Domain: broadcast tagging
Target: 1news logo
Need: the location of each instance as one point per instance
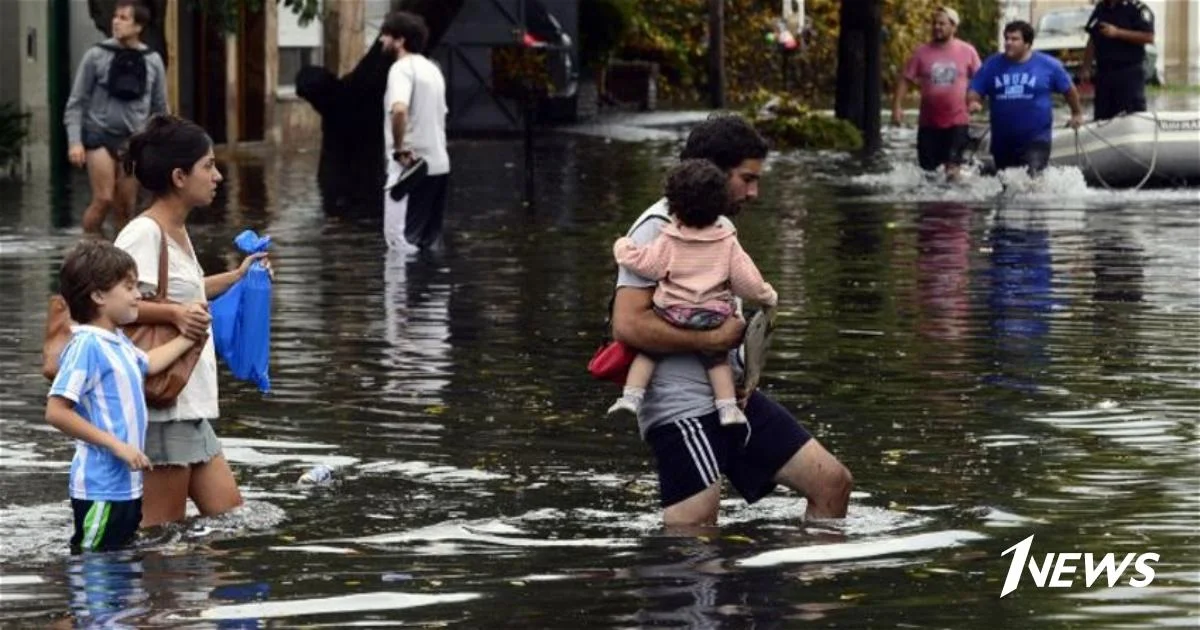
(1063, 568)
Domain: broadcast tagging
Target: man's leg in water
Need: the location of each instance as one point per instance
(819, 476)
(698, 510)
(102, 174)
(782, 451)
(689, 454)
(1037, 157)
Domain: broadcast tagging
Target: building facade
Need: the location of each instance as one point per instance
(238, 85)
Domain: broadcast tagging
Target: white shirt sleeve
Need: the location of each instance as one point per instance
(141, 240)
(399, 85)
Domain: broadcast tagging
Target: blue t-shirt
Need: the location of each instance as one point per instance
(1020, 98)
(103, 373)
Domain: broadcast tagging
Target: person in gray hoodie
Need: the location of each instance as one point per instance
(120, 83)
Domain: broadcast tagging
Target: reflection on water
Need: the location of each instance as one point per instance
(416, 320)
(988, 365)
(1020, 300)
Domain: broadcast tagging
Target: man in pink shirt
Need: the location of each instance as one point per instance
(942, 69)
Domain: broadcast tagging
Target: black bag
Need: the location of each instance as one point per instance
(127, 73)
(408, 179)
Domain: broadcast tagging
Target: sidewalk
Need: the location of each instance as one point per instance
(662, 125)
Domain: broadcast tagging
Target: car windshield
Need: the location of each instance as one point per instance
(1064, 22)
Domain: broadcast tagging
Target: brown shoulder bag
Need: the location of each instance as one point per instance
(161, 389)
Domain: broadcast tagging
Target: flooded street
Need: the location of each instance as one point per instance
(990, 364)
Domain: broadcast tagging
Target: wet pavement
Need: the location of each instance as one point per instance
(990, 363)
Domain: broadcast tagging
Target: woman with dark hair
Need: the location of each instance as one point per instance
(173, 159)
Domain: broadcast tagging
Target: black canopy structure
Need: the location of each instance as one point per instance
(463, 36)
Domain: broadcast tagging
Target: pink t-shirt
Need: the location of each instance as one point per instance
(943, 72)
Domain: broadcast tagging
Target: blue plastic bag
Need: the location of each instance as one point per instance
(241, 318)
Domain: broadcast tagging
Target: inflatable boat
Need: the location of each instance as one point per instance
(1134, 150)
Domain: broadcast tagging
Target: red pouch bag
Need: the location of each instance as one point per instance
(611, 362)
(612, 359)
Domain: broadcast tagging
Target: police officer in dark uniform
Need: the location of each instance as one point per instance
(1119, 32)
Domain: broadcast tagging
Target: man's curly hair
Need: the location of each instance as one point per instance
(726, 140)
(696, 193)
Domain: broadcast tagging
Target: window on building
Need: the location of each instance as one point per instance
(299, 46)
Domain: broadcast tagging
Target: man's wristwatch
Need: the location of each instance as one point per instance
(396, 155)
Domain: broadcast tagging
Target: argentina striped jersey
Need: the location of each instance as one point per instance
(103, 373)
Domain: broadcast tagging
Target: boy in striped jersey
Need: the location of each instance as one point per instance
(98, 396)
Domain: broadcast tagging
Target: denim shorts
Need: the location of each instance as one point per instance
(115, 144)
(181, 442)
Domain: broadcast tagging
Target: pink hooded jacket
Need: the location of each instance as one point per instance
(698, 267)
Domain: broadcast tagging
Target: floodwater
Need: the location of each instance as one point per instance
(991, 363)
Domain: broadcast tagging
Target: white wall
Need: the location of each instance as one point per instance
(32, 89)
(1193, 42)
(373, 14)
(84, 33)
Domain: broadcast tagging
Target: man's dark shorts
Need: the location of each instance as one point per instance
(936, 147)
(693, 453)
(1035, 156)
(105, 525)
(1120, 90)
(114, 144)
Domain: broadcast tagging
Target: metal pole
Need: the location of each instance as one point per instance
(716, 52)
(872, 90)
(530, 105)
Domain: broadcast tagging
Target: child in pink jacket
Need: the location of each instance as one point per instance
(700, 267)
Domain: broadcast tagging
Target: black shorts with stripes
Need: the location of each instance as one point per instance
(693, 453)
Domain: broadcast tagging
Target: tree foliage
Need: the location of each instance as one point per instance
(979, 24)
(227, 12)
(674, 34)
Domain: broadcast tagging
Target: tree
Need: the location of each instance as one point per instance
(979, 21)
(859, 80)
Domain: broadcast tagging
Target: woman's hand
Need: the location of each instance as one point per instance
(249, 260)
(193, 320)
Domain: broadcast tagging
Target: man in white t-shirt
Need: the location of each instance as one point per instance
(414, 128)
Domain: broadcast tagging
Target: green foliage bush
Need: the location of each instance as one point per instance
(789, 124)
(674, 34)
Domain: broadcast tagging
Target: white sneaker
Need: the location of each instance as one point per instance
(731, 415)
(624, 409)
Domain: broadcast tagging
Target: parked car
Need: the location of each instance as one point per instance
(1061, 34)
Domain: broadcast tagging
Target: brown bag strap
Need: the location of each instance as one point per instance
(160, 295)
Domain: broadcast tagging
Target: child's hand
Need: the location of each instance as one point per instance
(133, 457)
(192, 320)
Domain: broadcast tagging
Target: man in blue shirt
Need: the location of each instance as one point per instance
(1018, 85)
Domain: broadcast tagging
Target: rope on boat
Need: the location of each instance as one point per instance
(1084, 156)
